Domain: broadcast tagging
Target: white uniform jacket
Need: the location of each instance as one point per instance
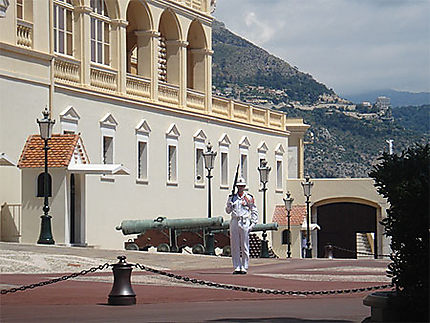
(243, 210)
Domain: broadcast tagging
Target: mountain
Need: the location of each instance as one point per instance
(238, 62)
(398, 98)
(345, 144)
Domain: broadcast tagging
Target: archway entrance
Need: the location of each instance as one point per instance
(341, 225)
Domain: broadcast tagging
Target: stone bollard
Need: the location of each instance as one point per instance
(328, 251)
(122, 293)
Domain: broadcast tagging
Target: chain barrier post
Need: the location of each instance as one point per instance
(328, 251)
(122, 293)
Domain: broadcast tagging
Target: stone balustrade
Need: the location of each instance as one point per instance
(138, 86)
(168, 93)
(24, 33)
(67, 70)
(103, 78)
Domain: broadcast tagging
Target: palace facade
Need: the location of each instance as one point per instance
(129, 85)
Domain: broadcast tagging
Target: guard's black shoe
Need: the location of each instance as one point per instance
(243, 272)
(237, 272)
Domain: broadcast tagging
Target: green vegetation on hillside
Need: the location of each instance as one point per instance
(237, 61)
(349, 147)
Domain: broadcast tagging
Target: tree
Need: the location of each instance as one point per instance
(404, 181)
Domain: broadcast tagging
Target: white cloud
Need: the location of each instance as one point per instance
(350, 45)
(262, 31)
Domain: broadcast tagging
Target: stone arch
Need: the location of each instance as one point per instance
(341, 219)
(140, 25)
(112, 8)
(196, 55)
(169, 26)
(169, 48)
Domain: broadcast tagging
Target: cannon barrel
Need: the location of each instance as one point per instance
(160, 223)
(258, 227)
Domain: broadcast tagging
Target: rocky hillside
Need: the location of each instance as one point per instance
(239, 66)
(346, 144)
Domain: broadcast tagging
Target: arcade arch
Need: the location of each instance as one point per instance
(196, 51)
(341, 221)
(139, 58)
(169, 48)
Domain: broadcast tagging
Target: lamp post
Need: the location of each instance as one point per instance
(45, 127)
(264, 178)
(209, 157)
(288, 200)
(307, 185)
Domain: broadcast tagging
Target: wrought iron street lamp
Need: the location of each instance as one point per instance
(307, 185)
(288, 200)
(209, 157)
(264, 178)
(45, 127)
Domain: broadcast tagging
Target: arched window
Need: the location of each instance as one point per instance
(100, 33)
(63, 27)
(41, 185)
(285, 237)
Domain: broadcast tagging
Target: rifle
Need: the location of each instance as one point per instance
(233, 190)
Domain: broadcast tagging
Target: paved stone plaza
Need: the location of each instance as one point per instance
(164, 299)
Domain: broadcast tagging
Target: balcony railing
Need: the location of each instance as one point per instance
(220, 107)
(138, 86)
(241, 112)
(103, 78)
(195, 100)
(201, 5)
(168, 93)
(24, 33)
(67, 70)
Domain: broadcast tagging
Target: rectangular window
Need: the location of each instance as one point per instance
(172, 166)
(224, 168)
(63, 27)
(142, 160)
(107, 150)
(279, 174)
(244, 167)
(19, 9)
(199, 166)
(100, 33)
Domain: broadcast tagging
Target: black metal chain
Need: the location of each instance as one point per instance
(55, 280)
(360, 252)
(259, 290)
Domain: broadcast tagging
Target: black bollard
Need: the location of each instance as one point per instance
(328, 251)
(122, 293)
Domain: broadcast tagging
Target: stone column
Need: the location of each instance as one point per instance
(83, 42)
(177, 67)
(147, 57)
(119, 52)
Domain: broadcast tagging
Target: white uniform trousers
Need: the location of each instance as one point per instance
(239, 242)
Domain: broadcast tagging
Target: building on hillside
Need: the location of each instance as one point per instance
(382, 103)
(129, 84)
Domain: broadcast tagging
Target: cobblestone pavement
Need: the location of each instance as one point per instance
(83, 298)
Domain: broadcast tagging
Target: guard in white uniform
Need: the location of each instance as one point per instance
(244, 216)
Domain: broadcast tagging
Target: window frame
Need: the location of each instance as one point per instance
(104, 19)
(172, 142)
(67, 7)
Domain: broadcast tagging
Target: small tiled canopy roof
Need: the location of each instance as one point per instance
(62, 149)
(298, 214)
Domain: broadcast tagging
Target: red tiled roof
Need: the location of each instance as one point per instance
(59, 155)
(298, 214)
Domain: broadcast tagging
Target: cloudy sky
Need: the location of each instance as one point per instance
(351, 46)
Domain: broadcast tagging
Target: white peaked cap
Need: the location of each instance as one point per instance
(241, 182)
